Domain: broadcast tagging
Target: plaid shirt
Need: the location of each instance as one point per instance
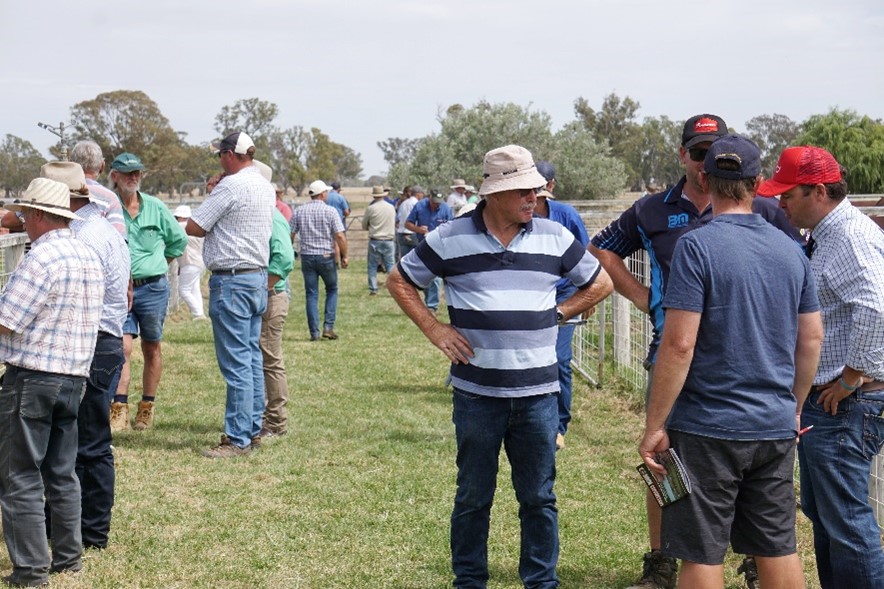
(237, 218)
(316, 224)
(848, 264)
(52, 305)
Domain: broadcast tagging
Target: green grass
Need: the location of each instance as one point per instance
(359, 493)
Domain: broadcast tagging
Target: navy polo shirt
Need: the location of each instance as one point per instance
(654, 223)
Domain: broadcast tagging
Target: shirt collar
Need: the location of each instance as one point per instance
(834, 218)
(479, 221)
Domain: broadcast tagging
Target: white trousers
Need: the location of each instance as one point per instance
(189, 288)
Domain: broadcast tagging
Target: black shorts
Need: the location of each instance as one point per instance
(743, 493)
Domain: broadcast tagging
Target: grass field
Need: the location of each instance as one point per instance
(359, 493)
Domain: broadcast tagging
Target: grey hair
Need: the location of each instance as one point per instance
(88, 155)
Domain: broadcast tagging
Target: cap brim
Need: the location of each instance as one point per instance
(545, 194)
(701, 139)
(127, 169)
(774, 188)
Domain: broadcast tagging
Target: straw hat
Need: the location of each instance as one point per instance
(509, 168)
(45, 195)
(458, 183)
(69, 173)
(379, 191)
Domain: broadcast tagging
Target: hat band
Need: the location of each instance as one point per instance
(509, 172)
(33, 202)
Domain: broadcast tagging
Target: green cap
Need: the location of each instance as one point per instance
(127, 162)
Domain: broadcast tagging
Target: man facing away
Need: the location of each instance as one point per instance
(154, 239)
(654, 223)
(846, 403)
(406, 239)
(738, 353)
(501, 345)
(49, 319)
(380, 222)
(320, 231)
(235, 219)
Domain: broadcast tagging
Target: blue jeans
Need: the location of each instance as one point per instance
(431, 293)
(38, 451)
(95, 461)
(406, 242)
(148, 313)
(564, 354)
(527, 429)
(835, 459)
(379, 252)
(313, 268)
(236, 304)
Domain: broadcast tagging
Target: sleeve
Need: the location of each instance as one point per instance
(578, 265)
(415, 266)
(214, 207)
(686, 289)
(413, 214)
(173, 235)
(282, 255)
(809, 302)
(622, 236)
(337, 223)
(25, 294)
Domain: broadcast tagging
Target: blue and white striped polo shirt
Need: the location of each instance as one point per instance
(502, 299)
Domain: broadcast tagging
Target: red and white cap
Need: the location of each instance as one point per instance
(801, 165)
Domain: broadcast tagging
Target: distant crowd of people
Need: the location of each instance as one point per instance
(768, 318)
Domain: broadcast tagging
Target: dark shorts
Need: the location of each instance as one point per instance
(743, 493)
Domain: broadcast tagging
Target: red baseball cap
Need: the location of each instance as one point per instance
(801, 165)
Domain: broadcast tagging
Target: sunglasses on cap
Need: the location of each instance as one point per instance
(697, 154)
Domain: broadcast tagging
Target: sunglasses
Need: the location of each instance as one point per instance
(223, 151)
(523, 192)
(698, 154)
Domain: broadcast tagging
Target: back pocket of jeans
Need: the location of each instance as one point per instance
(38, 397)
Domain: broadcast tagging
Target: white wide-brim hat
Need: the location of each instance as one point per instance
(265, 170)
(45, 195)
(509, 168)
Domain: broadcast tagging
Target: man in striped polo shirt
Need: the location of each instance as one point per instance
(500, 268)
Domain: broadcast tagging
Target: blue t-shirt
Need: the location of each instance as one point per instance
(336, 199)
(750, 281)
(569, 217)
(423, 215)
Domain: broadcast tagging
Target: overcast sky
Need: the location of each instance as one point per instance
(363, 71)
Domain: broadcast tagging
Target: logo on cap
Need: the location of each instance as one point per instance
(706, 126)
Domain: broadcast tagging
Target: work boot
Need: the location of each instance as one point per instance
(144, 417)
(749, 570)
(119, 417)
(660, 572)
(226, 449)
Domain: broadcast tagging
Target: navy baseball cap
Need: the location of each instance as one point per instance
(733, 157)
(546, 169)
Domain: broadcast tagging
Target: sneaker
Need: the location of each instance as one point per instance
(749, 570)
(329, 334)
(119, 417)
(660, 572)
(226, 449)
(144, 417)
(560, 441)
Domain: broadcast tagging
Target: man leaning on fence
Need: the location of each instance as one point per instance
(49, 320)
(738, 354)
(500, 268)
(846, 403)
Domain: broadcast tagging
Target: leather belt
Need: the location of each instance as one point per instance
(235, 271)
(148, 280)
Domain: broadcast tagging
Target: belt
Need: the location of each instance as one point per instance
(377, 239)
(148, 280)
(235, 271)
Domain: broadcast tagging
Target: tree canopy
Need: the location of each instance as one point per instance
(19, 164)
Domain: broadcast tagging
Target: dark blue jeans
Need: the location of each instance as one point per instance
(313, 268)
(38, 451)
(835, 458)
(527, 429)
(95, 461)
(564, 353)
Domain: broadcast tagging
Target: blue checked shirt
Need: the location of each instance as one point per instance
(52, 304)
(237, 218)
(316, 224)
(848, 264)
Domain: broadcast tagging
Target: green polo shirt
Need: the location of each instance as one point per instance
(154, 235)
(282, 254)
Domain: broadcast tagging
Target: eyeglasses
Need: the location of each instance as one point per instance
(698, 154)
(523, 192)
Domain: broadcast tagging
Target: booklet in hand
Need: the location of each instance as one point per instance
(675, 485)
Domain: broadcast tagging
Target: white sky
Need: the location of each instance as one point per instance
(363, 71)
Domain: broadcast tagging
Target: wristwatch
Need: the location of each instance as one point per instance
(559, 315)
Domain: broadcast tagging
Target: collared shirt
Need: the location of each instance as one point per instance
(567, 216)
(109, 203)
(95, 231)
(502, 299)
(455, 201)
(316, 224)
(52, 304)
(402, 214)
(423, 216)
(654, 223)
(237, 217)
(154, 235)
(848, 263)
(380, 220)
(337, 201)
(282, 255)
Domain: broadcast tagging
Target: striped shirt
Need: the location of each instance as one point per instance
(109, 204)
(95, 231)
(237, 217)
(848, 264)
(502, 299)
(316, 224)
(52, 304)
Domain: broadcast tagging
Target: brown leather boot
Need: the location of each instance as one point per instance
(119, 417)
(144, 417)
